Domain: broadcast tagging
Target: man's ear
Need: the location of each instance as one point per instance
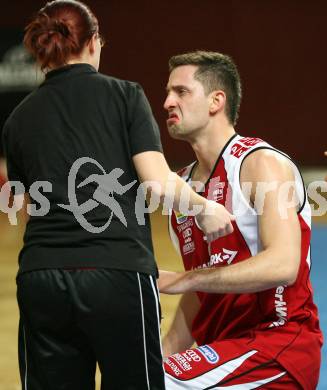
(217, 101)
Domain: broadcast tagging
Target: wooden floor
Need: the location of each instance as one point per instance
(10, 244)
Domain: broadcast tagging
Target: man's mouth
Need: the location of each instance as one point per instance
(172, 118)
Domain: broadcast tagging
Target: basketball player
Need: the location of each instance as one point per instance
(247, 299)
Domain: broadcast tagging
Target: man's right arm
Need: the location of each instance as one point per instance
(179, 337)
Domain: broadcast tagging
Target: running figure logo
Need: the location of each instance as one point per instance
(108, 185)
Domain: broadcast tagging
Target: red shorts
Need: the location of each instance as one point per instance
(229, 364)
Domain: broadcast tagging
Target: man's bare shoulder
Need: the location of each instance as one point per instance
(266, 164)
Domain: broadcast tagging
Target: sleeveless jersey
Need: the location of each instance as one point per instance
(282, 321)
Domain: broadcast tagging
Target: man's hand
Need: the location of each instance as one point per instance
(173, 282)
(215, 221)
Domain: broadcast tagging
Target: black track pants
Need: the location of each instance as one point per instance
(71, 319)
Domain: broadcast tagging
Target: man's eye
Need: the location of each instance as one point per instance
(182, 91)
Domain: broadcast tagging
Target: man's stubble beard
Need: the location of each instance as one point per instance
(177, 131)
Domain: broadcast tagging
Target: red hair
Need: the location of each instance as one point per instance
(59, 31)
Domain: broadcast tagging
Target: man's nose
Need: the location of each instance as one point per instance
(169, 102)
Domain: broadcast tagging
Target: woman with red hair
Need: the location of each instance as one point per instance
(86, 285)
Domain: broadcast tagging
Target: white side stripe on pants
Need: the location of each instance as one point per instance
(156, 297)
(157, 307)
(143, 326)
(25, 380)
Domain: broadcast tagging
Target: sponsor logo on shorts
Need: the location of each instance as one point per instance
(191, 354)
(173, 366)
(181, 360)
(210, 354)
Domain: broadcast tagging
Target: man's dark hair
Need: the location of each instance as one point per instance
(215, 71)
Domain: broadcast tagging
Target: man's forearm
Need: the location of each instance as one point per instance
(176, 341)
(179, 336)
(261, 272)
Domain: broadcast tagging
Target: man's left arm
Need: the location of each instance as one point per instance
(279, 232)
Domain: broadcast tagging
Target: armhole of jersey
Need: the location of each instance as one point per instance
(294, 168)
(173, 236)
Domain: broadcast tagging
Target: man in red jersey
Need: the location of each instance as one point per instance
(247, 298)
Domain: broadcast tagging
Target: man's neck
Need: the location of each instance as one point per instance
(208, 147)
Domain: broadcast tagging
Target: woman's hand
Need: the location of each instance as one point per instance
(215, 221)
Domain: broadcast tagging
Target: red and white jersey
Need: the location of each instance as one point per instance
(283, 320)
